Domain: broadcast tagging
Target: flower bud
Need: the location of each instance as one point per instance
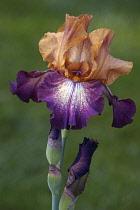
(78, 174)
(54, 147)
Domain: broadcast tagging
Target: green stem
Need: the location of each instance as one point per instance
(54, 175)
(64, 134)
(55, 202)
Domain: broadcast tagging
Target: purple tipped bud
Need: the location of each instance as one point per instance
(54, 147)
(81, 164)
(79, 170)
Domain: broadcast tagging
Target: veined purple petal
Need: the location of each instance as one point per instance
(72, 103)
(27, 84)
(123, 110)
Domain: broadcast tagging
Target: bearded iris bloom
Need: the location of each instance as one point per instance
(80, 71)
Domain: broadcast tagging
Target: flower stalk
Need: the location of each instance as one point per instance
(55, 155)
(54, 183)
(64, 134)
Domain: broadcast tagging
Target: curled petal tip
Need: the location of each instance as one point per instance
(13, 87)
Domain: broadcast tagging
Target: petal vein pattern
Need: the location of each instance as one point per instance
(72, 103)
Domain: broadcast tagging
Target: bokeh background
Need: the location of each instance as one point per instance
(114, 181)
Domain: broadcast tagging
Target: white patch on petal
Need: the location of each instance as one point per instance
(64, 93)
(73, 96)
(78, 100)
(72, 103)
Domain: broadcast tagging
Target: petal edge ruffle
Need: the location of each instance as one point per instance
(27, 85)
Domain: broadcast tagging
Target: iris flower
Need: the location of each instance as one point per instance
(80, 71)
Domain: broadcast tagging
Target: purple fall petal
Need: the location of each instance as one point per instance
(27, 85)
(123, 111)
(72, 103)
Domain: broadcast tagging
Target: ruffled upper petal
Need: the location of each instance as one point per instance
(72, 103)
(81, 55)
(108, 67)
(27, 85)
(53, 46)
(84, 20)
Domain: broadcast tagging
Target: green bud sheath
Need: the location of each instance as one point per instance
(76, 185)
(67, 200)
(54, 150)
(54, 180)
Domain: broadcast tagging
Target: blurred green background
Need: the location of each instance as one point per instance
(114, 181)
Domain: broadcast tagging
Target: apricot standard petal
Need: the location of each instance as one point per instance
(108, 67)
(53, 46)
